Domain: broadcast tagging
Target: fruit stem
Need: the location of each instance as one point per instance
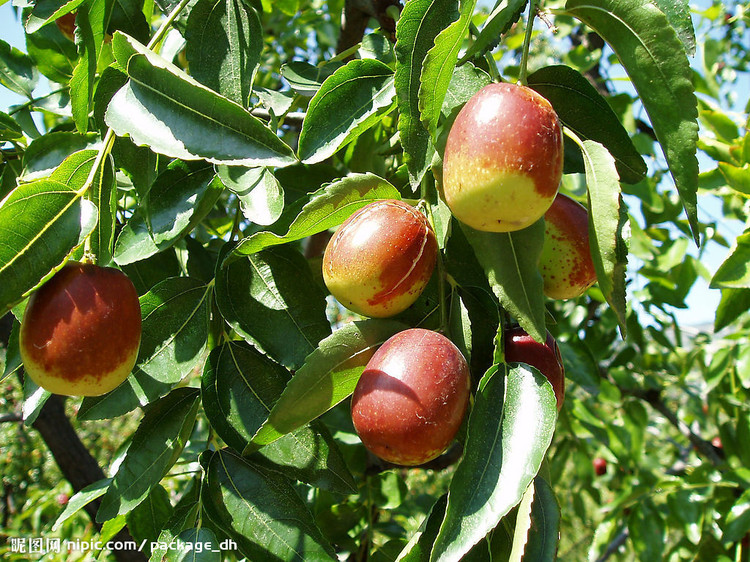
(162, 31)
(527, 42)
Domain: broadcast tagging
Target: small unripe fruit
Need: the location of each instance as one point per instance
(412, 397)
(380, 259)
(62, 499)
(81, 331)
(503, 159)
(565, 263)
(600, 466)
(520, 347)
(716, 442)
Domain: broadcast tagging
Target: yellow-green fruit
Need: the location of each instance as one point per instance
(380, 259)
(565, 263)
(503, 159)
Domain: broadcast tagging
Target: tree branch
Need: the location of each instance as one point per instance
(76, 463)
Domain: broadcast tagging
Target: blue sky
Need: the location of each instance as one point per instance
(701, 302)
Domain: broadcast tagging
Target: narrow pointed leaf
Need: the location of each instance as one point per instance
(41, 223)
(239, 387)
(226, 66)
(272, 300)
(439, 66)
(734, 272)
(328, 376)
(607, 223)
(328, 207)
(583, 110)
(544, 532)
(81, 499)
(418, 25)
(510, 429)
(503, 16)
(47, 11)
(349, 102)
(678, 14)
(17, 70)
(167, 110)
(156, 445)
(509, 260)
(179, 198)
(654, 57)
(175, 335)
(262, 511)
(54, 54)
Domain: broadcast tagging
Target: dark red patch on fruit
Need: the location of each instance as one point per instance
(86, 320)
(522, 348)
(412, 397)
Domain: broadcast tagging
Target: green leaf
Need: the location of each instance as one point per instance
(80, 500)
(199, 545)
(239, 387)
(9, 128)
(503, 16)
(260, 193)
(738, 519)
(420, 545)
(510, 429)
(418, 25)
(261, 510)
(147, 519)
(272, 300)
(54, 54)
(328, 207)
(179, 198)
(157, 444)
(734, 272)
(509, 260)
(738, 178)
(41, 223)
(17, 70)
(439, 66)
(678, 14)
(327, 377)
(167, 110)
(128, 17)
(607, 221)
(47, 152)
(91, 20)
(47, 11)
(647, 531)
(305, 78)
(544, 530)
(224, 42)
(733, 304)
(583, 110)
(74, 171)
(466, 81)
(350, 101)
(175, 335)
(654, 57)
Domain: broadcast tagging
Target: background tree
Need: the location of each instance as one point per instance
(209, 147)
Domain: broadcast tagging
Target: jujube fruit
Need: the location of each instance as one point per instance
(520, 347)
(81, 331)
(503, 159)
(380, 259)
(600, 466)
(565, 262)
(412, 397)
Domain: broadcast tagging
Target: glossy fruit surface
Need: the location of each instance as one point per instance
(81, 331)
(520, 347)
(503, 159)
(565, 263)
(380, 259)
(412, 397)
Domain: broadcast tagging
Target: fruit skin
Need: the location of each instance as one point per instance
(600, 466)
(565, 262)
(412, 397)
(81, 331)
(380, 259)
(503, 159)
(67, 25)
(520, 347)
